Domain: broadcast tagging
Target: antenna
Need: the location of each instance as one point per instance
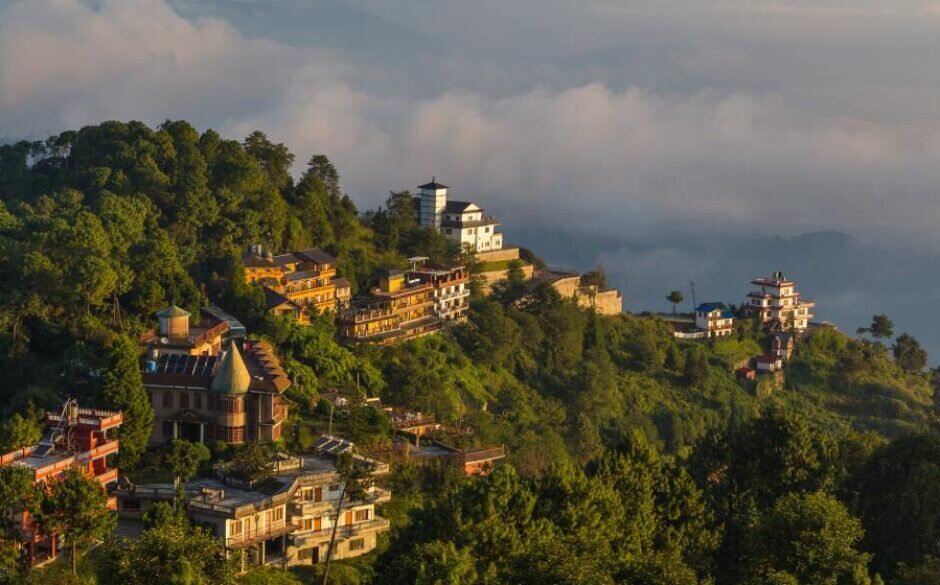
(692, 286)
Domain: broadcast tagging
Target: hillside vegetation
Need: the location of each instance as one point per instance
(632, 457)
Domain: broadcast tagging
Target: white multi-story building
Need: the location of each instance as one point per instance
(715, 319)
(451, 289)
(461, 221)
(777, 303)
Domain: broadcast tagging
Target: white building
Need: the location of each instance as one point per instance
(777, 303)
(715, 319)
(461, 221)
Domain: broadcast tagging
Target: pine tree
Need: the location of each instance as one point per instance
(122, 389)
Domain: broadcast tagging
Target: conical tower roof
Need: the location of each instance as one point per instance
(233, 376)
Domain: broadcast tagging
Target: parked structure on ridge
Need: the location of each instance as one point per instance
(715, 319)
(75, 438)
(297, 282)
(288, 520)
(460, 221)
(233, 395)
(400, 308)
(778, 305)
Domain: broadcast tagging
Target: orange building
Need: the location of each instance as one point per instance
(75, 438)
(297, 282)
(400, 308)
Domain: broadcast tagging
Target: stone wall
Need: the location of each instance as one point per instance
(495, 276)
(498, 255)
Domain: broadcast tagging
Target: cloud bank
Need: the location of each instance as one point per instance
(622, 156)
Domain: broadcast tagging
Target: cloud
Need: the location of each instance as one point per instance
(566, 141)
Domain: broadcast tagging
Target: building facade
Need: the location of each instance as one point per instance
(75, 438)
(450, 289)
(777, 304)
(460, 221)
(288, 523)
(400, 308)
(715, 319)
(298, 282)
(233, 395)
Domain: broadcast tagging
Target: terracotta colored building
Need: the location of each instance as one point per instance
(400, 308)
(297, 282)
(74, 438)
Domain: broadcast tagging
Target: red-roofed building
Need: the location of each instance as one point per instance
(74, 438)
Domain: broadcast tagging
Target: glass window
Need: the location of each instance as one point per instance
(357, 544)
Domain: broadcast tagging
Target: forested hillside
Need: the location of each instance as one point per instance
(632, 457)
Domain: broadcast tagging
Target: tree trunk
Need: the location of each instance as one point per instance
(329, 550)
(74, 559)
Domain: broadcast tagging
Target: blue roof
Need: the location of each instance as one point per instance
(709, 307)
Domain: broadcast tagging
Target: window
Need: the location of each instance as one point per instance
(487, 230)
(184, 399)
(197, 399)
(278, 514)
(167, 399)
(357, 544)
(334, 487)
(307, 524)
(447, 231)
(361, 515)
(306, 553)
(236, 527)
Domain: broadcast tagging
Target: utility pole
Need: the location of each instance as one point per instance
(692, 286)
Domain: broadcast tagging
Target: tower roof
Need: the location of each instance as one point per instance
(433, 185)
(233, 376)
(173, 311)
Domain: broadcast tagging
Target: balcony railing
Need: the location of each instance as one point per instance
(376, 524)
(249, 537)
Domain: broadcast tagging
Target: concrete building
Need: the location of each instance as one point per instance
(289, 520)
(777, 304)
(400, 308)
(451, 290)
(460, 221)
(234, 395)
(715, 319)
(75, 438)
(297, 282)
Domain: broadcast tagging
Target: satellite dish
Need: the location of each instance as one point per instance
(164, 340)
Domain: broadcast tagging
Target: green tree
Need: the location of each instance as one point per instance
(17, 495)
(909, 355)
(18, 432)
(675, 297)
(813, 538)
(170, 551)
(184, 459)
(122, 389)
(695, 373)
(76, 508)
(881, 327)
(253, 462)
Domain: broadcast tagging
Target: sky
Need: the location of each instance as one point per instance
(670, 140)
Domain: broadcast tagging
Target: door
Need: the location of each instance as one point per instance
(317, 524)
(318, 495)
(348, 520)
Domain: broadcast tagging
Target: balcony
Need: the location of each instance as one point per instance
(310, 508)
(108, 476)
(305, 539)
(248, 538)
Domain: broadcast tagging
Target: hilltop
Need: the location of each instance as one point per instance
(632, 456)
